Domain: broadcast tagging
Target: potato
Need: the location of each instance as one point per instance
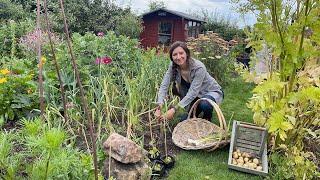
(240, 161)
(244, 154)
(246, 159)
(240, 164)
(238, 150)
(235, 155)
(259, 168)
(250, 165)
(254, 165)
(246, 165)
(239, 154)
(234, 162)
(256, 161)
(249, 155)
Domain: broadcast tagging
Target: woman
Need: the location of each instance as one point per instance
(191, 81)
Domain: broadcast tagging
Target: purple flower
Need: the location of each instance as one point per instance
(103, 60)
(100, 34)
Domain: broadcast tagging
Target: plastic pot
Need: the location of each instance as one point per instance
(168, 161)
(158, 168)
(153, 154)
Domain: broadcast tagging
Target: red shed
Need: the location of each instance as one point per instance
(163, 26)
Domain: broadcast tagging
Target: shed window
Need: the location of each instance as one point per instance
(165, 33)
(193, 29)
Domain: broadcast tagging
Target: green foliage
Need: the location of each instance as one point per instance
(9, 163)
(212, 54)
(156, 4)
(17, 90)
(11, 11)
(129, 25)
(83, 16)
(285, 100)
(219, 23)
(282, 166)
(10, 32)
(51, 156)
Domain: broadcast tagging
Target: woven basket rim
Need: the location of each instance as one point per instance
(176, 137)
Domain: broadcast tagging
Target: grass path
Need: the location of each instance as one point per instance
(213, 165)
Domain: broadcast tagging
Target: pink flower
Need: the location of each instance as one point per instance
(100, 34)
(103, 60)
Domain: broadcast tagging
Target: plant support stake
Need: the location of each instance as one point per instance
(83, 98)
(40, 62)
(65, 115)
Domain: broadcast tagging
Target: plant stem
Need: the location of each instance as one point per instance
(38, 29)
(47, 166)
(165, 137)
(64, 100)
(109, 168)
(150, 126)
(83, 98)
(293, 73)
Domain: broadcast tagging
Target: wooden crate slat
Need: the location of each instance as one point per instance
(252, 143)
(248, 146)
(251, 151)
(251, 139)
(251, 135)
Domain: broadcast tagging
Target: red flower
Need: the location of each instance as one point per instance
(103, 60)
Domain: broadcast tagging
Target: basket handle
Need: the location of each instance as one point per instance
(221, 118)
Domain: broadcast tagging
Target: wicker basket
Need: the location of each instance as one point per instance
(196, 133)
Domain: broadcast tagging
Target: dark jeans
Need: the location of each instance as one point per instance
(204, 107)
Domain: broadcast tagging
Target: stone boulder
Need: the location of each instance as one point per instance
(132, 171)
(123, 149)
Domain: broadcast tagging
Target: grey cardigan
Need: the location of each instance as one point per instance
(201, 84)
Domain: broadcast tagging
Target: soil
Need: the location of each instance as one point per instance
(313, 145)
(158, 136)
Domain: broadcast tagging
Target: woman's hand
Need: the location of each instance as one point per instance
(168, 115)
(157, 114)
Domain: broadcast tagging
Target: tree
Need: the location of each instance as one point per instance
(82, 15)
(154, 4)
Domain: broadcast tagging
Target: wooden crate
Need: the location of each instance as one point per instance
(251, 139)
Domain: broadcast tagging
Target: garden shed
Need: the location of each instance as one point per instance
(163, 26)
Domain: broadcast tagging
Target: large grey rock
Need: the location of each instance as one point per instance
(132, 171)
(123, 149)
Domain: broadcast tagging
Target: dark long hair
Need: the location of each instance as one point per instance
(184, 46)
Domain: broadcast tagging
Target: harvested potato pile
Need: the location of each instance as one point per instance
(245, 160)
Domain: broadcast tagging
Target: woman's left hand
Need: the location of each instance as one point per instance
(169, 114)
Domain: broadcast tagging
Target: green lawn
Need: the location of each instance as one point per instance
(213, 165)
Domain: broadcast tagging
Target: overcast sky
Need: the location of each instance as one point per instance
(220, 7)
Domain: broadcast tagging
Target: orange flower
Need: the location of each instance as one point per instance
(4, 71)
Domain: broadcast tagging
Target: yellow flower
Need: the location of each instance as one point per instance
(4, 71)
(3, 80)
(42, 61)
(29, 91)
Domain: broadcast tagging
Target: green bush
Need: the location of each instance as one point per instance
(18, 95)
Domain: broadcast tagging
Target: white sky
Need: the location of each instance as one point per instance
(219, 7)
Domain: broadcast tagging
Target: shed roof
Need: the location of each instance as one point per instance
(177, 13)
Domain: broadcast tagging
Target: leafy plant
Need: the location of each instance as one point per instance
(283, 100)
(211, 49)
(17, 90)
